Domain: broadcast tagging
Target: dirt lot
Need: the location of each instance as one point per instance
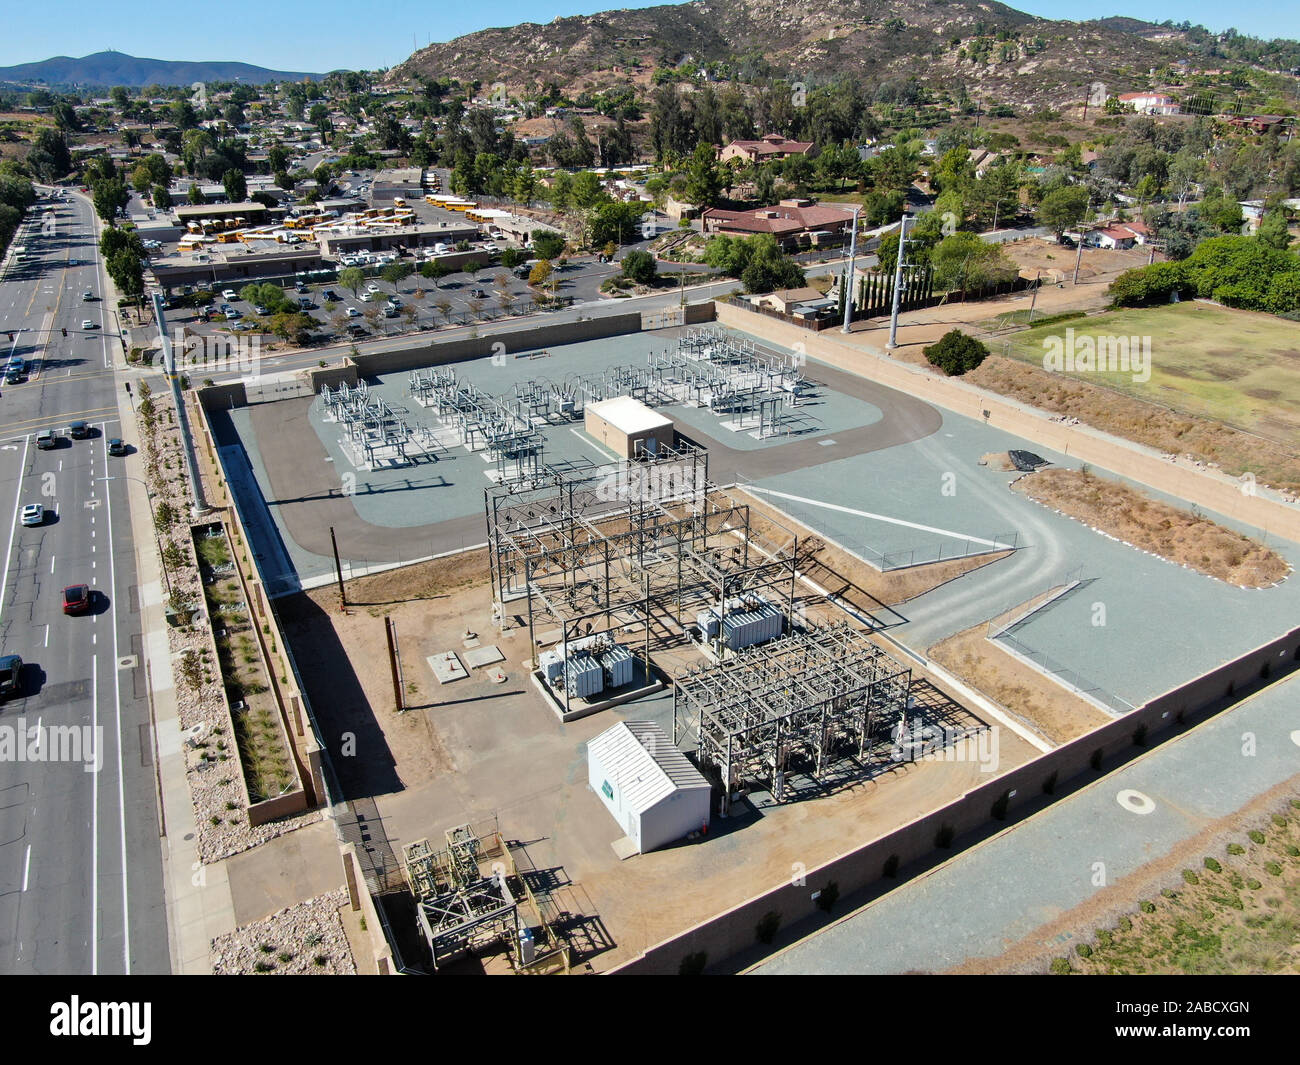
(1056, 713)
(474, 747)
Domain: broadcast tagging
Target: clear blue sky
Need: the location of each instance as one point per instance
(326, 34)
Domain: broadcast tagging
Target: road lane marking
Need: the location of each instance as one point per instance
(94, 825)
(27, 866)
(117, 695)
(18, 495)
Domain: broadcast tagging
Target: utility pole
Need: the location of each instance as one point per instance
(1078, 258)
(898, 283)
(1034, 298)
(852, 267)
(338, 569)
(390, 631)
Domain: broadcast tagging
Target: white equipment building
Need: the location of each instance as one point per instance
(647, 784)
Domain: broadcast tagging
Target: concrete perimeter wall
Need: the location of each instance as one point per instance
(1205, 489)
(732, 932)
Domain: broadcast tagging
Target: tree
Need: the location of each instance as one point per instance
(196, 195)
(640, 266)
(110, 197)
(235, 185)
(49, 158)
(162, 199)
(434, 271)
(964, 261)
(703, 184)
(444, 307)
(956, 353)
(540, 273)
(127, 272)
(510, 258)
(352, 278)
(396, 273)
(1273, 230)
(546, 244)
(1063, 208)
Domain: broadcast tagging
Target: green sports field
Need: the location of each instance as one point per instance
(1237, 367)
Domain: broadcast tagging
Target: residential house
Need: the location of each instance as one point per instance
(772, 146)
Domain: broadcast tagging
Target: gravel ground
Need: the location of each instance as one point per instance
(303, 940)
(220, 804)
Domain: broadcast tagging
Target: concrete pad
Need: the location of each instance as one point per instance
(446, 667)
(284, 871)
(484, 656)
(623, 848)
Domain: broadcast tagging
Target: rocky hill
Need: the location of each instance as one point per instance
(991, 49)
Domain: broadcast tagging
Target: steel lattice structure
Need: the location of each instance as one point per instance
(814, 695)
(630, 543)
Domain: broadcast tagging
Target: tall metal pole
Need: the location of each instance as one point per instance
(1078, 257)
(852, 269)
(392, 661)
(898, 283)
(338, 569)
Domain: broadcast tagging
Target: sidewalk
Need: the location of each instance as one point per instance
(199, 904)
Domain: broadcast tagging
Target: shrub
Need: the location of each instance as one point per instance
(1212, 864)
(1253, 884)
(1256, 836)
(1191, 877)
(956, 353)
(1124, 924)
(1061, 967)
(1236, 848)
(693, 964)
(1273, 868)
(766, 928)
(1279, 820)
(1104, 938)
(1292, 851)
(1083, 950)
(1147, 906)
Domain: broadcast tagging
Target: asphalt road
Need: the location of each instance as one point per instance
(81, 888)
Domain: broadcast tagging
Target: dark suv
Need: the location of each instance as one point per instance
(11, 676)
(78, 430)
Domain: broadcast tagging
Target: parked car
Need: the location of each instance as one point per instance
(11, 673)
(329, 296)
(372, 287)
(365, 297)
(229, 294)
(76, 599)
(353, 313)
(33, 514)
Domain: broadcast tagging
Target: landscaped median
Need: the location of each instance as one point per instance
(245, 777)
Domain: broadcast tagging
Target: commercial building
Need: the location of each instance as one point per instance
(629, 428)
(648, 785)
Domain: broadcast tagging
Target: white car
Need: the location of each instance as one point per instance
(33, 514)
(365, 297)
(88, 324)
(372, 287)
(353, 313)
(229, 294)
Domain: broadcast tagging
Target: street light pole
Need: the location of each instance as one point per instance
(898, 283)
(852, 268)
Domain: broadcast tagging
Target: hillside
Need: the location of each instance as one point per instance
(991, 49)
(118, 68)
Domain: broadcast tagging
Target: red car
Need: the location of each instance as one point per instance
(76, 599)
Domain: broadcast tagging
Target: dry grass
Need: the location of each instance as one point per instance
(1232, 450)
(1173, 534)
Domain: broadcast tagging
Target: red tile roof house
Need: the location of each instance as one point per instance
(792, 222)
(772, 146)
(1121, 235)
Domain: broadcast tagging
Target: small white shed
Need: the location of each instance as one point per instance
(647, 784)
